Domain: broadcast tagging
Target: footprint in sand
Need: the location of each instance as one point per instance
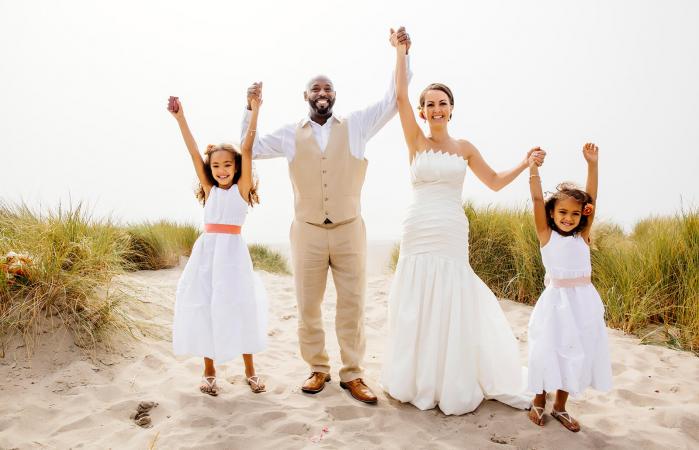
(142, 415)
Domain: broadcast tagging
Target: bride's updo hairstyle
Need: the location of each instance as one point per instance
(435, 87)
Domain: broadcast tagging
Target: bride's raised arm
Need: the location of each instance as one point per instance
(411, 129)
(496, 180)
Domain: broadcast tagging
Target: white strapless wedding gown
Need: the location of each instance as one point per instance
(449, 342)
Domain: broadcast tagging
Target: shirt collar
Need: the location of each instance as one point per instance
(306, 120)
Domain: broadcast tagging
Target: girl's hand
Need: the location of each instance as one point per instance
(175, 108)
(255, 98)
(590, 151)
(535, 157)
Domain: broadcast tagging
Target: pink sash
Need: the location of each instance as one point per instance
(221, 228)
(568, 282)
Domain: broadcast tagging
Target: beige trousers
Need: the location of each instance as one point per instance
(342, 248)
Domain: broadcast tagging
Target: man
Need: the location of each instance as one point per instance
(327, 169)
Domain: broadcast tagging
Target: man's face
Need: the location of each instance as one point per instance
(320, 95)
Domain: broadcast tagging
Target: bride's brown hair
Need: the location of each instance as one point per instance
(252, 199)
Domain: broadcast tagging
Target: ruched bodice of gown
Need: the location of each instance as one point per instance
(435, 222)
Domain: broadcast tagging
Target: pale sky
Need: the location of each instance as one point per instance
(84, 86)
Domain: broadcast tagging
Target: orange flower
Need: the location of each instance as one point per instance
(587, 209)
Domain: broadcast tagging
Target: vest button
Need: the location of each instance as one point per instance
(326, 199)
(324, 171)
(325, 185)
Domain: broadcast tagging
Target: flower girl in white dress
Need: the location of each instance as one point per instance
(221, 306)
(568, 349)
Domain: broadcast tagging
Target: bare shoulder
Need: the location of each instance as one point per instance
(466, 149)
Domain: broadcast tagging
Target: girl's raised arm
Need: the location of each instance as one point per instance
(245, 181)
(543, 231)
(411, 129)
(590, 153)
(178, 113)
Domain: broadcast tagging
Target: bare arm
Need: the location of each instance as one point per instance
(245, 181)
(494, 180)
(590, 152)
(411, 129)
(543, 231)
(191, 144)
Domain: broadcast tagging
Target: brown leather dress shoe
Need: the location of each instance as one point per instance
(359, 390)
(316, 382)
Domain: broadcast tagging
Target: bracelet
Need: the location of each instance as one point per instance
(534, 176)
(251, 131)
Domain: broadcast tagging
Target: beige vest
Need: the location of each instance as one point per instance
(327, 185)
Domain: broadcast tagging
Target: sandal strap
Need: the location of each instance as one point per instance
(562, 414)
(538, 410)
(210, 381)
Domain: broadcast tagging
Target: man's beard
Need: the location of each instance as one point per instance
(322, 111)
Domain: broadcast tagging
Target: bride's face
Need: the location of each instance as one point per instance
(437, 109)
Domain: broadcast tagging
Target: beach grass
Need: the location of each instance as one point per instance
(73, 260)
(648, 278)
(64, 266)
(263, 258)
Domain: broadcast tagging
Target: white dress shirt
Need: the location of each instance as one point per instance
(362, 125)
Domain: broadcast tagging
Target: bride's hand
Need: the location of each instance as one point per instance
(535, 157)
(400, 38)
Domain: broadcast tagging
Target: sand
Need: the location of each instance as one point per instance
(63, 397)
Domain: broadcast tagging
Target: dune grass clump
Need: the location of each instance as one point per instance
(71, 257)
(268, 260)
(158, 245)
(651, 277)
(648, 279)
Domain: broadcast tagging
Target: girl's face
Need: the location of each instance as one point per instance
(222, 168)
(437, 108)
(566, 214)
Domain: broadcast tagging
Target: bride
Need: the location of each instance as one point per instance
(449, 342)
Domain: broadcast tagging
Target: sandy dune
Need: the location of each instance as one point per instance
(62, 398)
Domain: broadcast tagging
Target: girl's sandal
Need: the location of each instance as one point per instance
(256, 385)
(539, 411)
(208, 386)
(566, 420)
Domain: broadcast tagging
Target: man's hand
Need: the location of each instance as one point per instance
(255, 90)
(255, 100)
(400, 37)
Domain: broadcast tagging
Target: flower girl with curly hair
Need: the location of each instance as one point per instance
(568, 349)
(221, 306)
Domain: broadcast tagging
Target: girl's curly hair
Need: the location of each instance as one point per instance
(563, 191)
(252, 199)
